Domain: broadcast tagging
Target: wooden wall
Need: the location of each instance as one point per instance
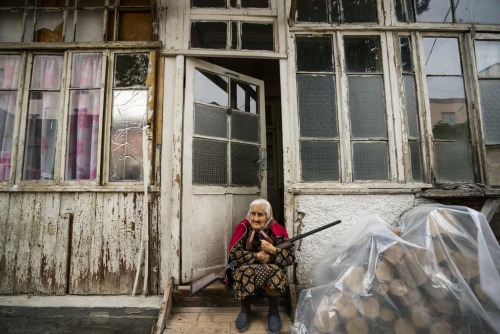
(75, 243)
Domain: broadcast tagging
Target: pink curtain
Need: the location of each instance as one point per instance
(9, 79)
(82, 146)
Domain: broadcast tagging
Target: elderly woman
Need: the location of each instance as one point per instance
(261, 265)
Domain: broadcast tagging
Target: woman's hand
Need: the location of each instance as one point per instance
(263, 257)
(268, 247)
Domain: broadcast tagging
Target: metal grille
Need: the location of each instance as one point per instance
(320, 160)
(244, 164)
(453, 162)
(209, 162)
(210, 121)
(490, 100)
(367, 107)
(370, 161)
(317, 106)
(245, 127)
(411, 106)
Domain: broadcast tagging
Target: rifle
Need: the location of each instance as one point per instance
(202, 282)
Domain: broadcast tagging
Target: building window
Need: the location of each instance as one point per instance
(342, 11)
(230, 4)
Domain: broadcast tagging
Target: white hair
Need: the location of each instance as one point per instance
(267, 207)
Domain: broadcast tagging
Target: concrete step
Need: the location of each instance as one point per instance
(78, 314)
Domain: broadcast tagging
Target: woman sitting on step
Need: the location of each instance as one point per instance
(261, 265)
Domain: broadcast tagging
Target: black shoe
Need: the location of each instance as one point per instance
(273, 323)
(242, 321)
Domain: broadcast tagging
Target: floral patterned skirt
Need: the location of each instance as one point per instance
(248, 278)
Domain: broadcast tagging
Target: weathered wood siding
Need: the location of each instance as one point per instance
(76, 243)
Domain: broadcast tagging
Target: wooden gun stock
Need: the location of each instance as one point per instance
(202, 282)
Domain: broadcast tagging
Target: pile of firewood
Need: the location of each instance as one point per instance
(382, 285)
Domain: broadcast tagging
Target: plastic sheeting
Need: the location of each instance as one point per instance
(441, 275)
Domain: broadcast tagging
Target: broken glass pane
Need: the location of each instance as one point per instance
(255, 3)
(493, 164)
(90, 26)
(128, 119)
(312, 11)
(363, 54)
(490, 100)
(11, 26)
(360, 10)
(370, 161)
(488, 59)
(320, 160)
(434, 11)
(411, 108)
(135, 26)
(245, 127)
(453, 162)
(131, 69)
(448, 107)
(314, 54)
(317, 106)
(474, 11)
(209, 162)
(209, 35)
(49, 26)
(442, 56)
(211, 88)
(210, 121)
(244, 164)
(415, 160)
(244, 97)
(367, 107)
(257, 36)
(208, 3)
(406, 63)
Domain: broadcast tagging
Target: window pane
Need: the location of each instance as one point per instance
(90, 25)
(312, 11)
(91, 3)
(442, 56)
(488, 59)
(210, 121)
(208, 3)
(317, 106)
(145, 3)
(255, 3)
(244, 165)
(257, 36)
(209, 35)
(131, 70)
(244, 96)
(11, 26)
(211, 88)
(245, 127)
(489, 91)
(406, 63)
(363, 54)
(135, 26)
(209, 162)
(370, 161)
(474, 11)
(367, 107)
(87, 70)
(9, 71)
(49, 26)
(69, 32)
(7, 116)
(47, 72)
(11, 3)
(234, 35)
(83, 135)
(320, 160)
(360, 10)
(314, 54)
(448, 107)
(415, 160)
(41, 134)
(493, 164)
(30, 26)
(453, 162)
(411, 107)
(434, 11)
(129, 115)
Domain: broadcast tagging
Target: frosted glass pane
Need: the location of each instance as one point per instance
(89, 26)
(320, 160)
(493, 164)
(415, 161)
(488, 59)
(245, 127)
(453, 162)
(11, 26)
(475, 11)
(210, 121)
(370, 161)
(434, 11)
(244, 165)
(489, 91)
(317, 106)
(411, 106)
(367, 107)
(209, 162)
(314, 54)
(211, 88)
(244, 97)
(442, 56)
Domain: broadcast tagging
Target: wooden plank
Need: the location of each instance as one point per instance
(50, 220)
(96, 247)
(8, 269)
(154, 246)
(111, 247)
(129, 226)
(62, 250)
(4, 220)
(24, 234)
(165, 308)
(490, 207)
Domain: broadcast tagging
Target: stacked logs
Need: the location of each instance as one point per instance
(405, 288)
